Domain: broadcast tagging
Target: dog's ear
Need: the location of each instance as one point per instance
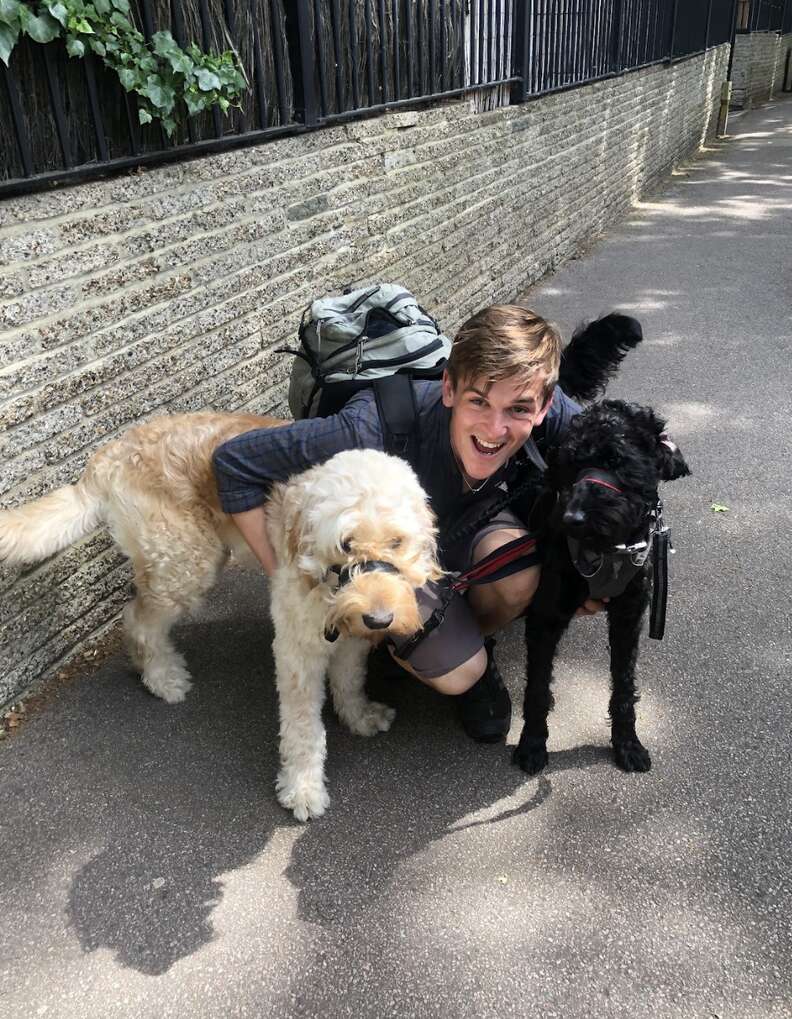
(670, 462)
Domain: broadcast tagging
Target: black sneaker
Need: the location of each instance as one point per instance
(485, 708)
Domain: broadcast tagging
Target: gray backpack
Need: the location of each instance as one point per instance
(378, 337)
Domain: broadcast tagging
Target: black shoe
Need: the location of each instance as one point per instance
(486, 707)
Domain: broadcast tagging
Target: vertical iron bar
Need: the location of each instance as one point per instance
(340, 92)
(490, 39)
(203, 10)
(57, 108)
(497, 50)
(353, 52)
(18, 119)
(320, 60)
(369, 53)
(616, 36)
(305, 85)
(421, 55)
(709, 25)
(443, 47)
(277, 50)
(472, 42)
(258, 76)
(383, 31)
(177, 21)
(96, 111)
(432, 47)
(397, 93)
(673, 29)
(410, 53)
(480, 64)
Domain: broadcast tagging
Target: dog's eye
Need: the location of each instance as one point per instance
(396, 543)
(346, 545)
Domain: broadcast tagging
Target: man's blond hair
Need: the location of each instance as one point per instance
(506, 341)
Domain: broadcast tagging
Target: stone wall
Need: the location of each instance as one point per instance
(758, 67)
(167, 289)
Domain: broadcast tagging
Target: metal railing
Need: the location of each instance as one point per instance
(314, 62)
(764, 16)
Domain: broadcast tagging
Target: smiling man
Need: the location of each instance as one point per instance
(474, 428)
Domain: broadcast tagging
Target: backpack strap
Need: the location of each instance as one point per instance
(398, 415)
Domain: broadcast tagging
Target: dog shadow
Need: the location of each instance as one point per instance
(180, 796)
(392, 798)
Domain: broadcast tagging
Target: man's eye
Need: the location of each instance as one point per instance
(521, 411)
(477, 401)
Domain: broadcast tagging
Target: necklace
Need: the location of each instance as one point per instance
(470, 488)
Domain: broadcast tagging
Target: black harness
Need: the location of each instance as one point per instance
(609, 573)
(344, 575)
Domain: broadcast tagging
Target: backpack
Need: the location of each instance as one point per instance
(378, 337)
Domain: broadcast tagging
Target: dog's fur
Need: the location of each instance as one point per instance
(628, 441)
(154, 489)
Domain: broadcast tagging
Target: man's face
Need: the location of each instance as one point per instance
(490, 421)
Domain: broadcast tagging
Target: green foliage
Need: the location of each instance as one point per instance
(160, 72)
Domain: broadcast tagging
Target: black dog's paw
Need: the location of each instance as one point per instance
(530, 755)
(632, 755)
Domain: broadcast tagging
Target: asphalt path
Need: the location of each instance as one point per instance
(146, 869)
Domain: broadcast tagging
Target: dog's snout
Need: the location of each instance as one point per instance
(378, 620)
(574, 517)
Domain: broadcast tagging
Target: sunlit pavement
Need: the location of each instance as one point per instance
(147, 870)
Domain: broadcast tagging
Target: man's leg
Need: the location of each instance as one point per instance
(502, 601)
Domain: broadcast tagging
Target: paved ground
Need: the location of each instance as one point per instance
(147, 871)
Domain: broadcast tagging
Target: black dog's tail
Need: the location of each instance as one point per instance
(593, 355)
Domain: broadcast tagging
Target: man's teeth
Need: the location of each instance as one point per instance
(488, 447)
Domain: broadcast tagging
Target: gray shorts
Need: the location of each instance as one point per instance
(451, 636)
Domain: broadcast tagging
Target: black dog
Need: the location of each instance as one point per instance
(600, 512)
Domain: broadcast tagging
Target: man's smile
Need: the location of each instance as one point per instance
(486, 448)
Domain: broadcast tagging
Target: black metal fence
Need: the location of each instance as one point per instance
(314, 62)
(764, 16)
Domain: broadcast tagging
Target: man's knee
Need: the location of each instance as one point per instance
(462, 678)
(517, 591)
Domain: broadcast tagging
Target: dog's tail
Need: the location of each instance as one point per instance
(593, 355)
(33, 532)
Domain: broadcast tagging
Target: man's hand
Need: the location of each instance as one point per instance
(591, 606)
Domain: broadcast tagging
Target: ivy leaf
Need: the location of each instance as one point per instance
(59, 12)
(207, 80)
(43, 28)
(170, 126)
(9, 12)
(8, 38)
(121, 5)
(80, 25)
(121, 22)
(163, 44)
(75, 47)
(144, 116)
(97, 46)
(102, 7)
(195, 102)
(128, 77)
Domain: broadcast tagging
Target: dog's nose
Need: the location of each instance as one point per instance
(378, 620)
(574, 518)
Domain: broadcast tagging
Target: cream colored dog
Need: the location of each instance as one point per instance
(354, 538)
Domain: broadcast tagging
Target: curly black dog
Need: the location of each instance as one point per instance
(601, 510)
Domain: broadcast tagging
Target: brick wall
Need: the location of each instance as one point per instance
(167, 290)
(758, 68)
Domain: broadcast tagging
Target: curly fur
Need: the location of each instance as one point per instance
(154, 489)
(629, 442)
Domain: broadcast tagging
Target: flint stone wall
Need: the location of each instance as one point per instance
(167, 290)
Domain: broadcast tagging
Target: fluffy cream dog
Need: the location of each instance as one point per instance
(354, 537)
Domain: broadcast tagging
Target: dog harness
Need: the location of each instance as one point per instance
(343, 574)
(609, 573)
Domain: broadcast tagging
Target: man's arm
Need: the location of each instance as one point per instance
(252, 525)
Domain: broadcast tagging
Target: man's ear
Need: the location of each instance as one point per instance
(449, 389)
(670, 462)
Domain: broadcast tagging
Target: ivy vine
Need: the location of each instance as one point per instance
(159, 72)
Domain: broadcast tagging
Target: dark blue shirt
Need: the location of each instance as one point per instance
(248, 465)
